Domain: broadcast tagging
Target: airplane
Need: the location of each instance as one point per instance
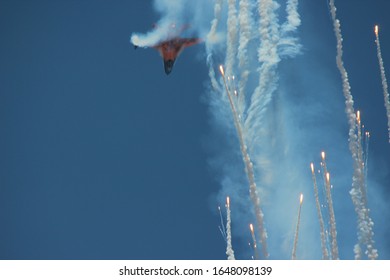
(170, 49)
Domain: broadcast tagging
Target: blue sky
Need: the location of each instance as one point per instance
(103, 156)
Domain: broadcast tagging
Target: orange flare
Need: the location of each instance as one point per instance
(358, 116)
(323, 155)
(327, 177)
(312, 167)
(221, 70)
(376, 30)
(228, 202)
(251, 228)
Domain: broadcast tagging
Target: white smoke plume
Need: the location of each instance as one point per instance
(325, 254)
(365, 223)
(245, 25)
(295, 245)
(229, 247)
(383, 77)
(213, 38)
(232, 38)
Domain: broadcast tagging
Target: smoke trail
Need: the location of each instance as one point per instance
(383, 76)
(254, 241)
(367, 142)
(333, 231)
(294, 251)
(293, 19)
(364, 222)
(325, 254)
(212, 38)
(288, 45)
(231, 44)
(268, 59)
(249, 171)
(329, 200)
(368, 224)
(229, 248)
(222, 227)
(171, 12)
(361, 157)
(245, 22)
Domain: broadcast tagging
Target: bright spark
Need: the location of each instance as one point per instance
(301, 199)
(228, 202)
(323, 155)
(221, 70)
(376, 30)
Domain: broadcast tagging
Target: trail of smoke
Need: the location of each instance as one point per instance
(371, 252)
(232, 31)
(383, 76)
(268, 58)
(249, 171)
(288, 44)
(293, 19)
(363, 157)
(254, 241)
(357, 249)
(273, 44)
(364, 222)
(245, 22)
(294, 251)
(367, 142)
(332, 219)
(222, 233)
(329, 200)
(211, 39)
(222, 227)
(362, 184)
(229, 247)
(325, 254)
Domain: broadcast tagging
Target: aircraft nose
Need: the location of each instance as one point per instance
(168, 65)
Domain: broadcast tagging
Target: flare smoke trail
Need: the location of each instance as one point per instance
(371, 252)
(294, 251)
(367, 142)
(288, 44)
(222, 227)
(229, 247)
(249, 171)
(361, 157)
(245, 21)
(333, 230)
(268, 59)
(254, 241)
(232, 42)
(332, 218)
(364, 222)
(383, 76)
(212, 38)
(325, 254)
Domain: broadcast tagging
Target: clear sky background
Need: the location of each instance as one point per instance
(104, 156)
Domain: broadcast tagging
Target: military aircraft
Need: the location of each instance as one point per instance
(171, 48)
